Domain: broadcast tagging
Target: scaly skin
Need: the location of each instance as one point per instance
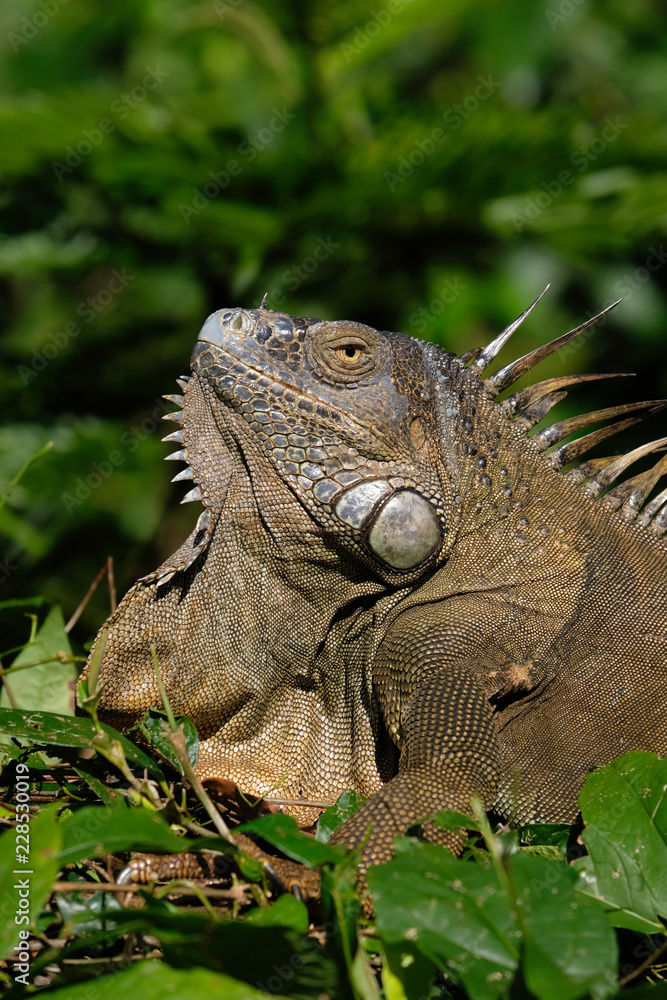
(478, 624)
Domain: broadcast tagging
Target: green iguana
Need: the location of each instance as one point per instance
(392, 587)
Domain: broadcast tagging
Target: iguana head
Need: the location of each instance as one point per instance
(341, 412)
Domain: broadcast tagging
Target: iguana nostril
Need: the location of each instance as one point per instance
(407, 531)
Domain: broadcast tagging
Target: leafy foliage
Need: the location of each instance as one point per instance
(514, 916)
(162, 159)
(413, 165)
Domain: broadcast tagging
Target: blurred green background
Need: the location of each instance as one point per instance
(411, 164)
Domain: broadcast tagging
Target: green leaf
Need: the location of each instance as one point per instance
(546, 835)
(454, 912)
(461, 917)
(65, 731)
(154, 727)
(282, 832)
(570, 948)
(275, 959)
(23, 602)
(345, 805)
(34, 880)
(96, 830)
(406, 972)
(624, 807)
(83, 911)
(151, 980)
(287, 911)
(49, 685)
(449, 819)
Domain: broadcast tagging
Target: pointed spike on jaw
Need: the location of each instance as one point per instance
(486, 356)
(176, 456)
(173, 397)
(194, 494)
(181, 476)
(510, 373)
(175, 436)
(183, 381)
(177, 417)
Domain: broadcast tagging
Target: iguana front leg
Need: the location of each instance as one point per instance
(438, 714)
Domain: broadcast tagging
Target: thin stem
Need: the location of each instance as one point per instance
(19, 475)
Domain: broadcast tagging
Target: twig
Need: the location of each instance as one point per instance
(112, 584)
(297, 802)
(177, 740)
(91, 590)
(645, 966)
(179, 889)
(60, 657)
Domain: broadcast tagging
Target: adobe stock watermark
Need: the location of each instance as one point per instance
(294, 276)
(33, 25)
(624, 289)
(454, 118)
(6, 569)
(130, 440)
(87, 309)
(120, 109)
(22, 872)
(450, 290)
(565, 10)
(581, 158)
(225, 7)
(363, 34)
(251, 146)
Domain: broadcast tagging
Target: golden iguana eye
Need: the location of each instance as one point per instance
(349, 353)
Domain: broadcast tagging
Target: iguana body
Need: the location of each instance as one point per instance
(391, 587)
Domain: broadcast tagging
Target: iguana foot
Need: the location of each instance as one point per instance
(214, 866)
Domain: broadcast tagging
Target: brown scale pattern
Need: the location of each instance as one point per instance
(527, 648)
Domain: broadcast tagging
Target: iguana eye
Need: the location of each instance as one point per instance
(343, 352)
(349, 353)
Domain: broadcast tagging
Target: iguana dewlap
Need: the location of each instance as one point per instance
(391, 586)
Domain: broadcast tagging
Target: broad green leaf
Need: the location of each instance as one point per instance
(152, 980)
(23, 602)
(287, 911)
(66, 731)
(82, 910)
(95, 830)
(570, 948)
(454, 912)
(406, 972)
(624, 807)
(282, 832)
(49, 685)
(153, 728)
(275, 959)
(345, 805)
(27, 878)
(549, 835)
(461, 917)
